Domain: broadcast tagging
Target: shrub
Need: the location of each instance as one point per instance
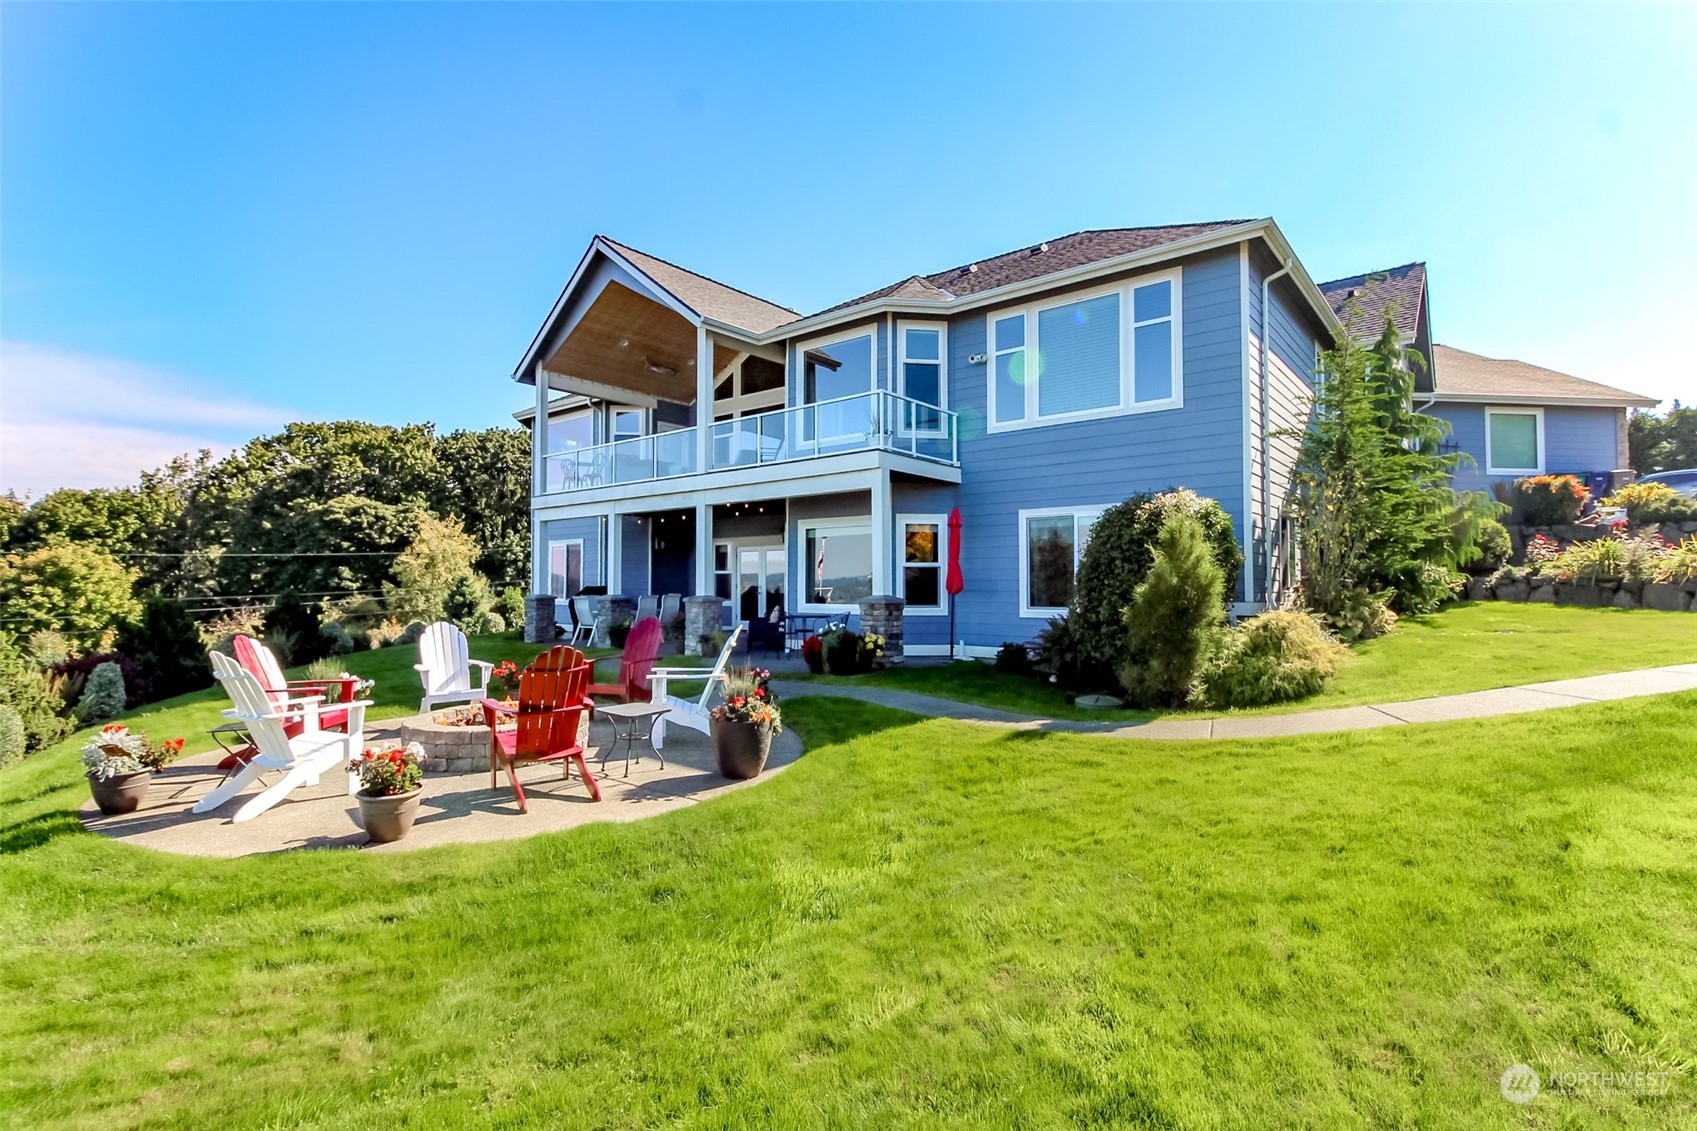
(468, 599)
(338, 639)
(1677, 509)
(1431, 586)
(12, 737)
(1013, 659)
(1549, 500)
(69, 679)
(1272, 658)
(385, 633)
(1174, 616)
(510, 604)
(27, 690)
(1491, 547)
(1118, 559)
(1611, 559)
(619, 631)
(292, 631)
(47, 648)
(1679, 565)
(488, 624)
(1057, 651)
(1541, 551)
(411, 633)
(103, 697)
(1360, 616)
(164, 641)
(226, 626)
(1634, 495)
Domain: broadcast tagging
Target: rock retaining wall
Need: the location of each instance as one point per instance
(1517, 585)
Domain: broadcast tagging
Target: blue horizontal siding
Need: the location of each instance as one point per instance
(586, 530)
(1577, 440)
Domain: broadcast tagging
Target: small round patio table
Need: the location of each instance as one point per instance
(631, 722)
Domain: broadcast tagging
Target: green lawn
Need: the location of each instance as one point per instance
(922, 923)
(1467, 647)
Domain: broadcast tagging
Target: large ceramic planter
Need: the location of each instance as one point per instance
(741, 748)
(844, 659)
(121, 794)
(389, 818)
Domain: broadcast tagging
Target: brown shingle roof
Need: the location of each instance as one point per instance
(709, 297)
(1397, 289)
(1034, 262)
(1463, 374)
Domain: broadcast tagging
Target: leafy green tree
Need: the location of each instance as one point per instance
(12, 511)
(1662, 442)
(1372, 486)
(469, 599)
(165, 643)
(484, 478)
(1175, 615)
(426, 572)
(80, 591)
(296, 629)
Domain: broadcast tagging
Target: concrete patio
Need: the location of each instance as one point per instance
(455, 809)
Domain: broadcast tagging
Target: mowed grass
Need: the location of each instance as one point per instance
(922, 923)
(1464, 647)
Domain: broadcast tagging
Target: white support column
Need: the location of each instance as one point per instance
(703, 397)
(538, 556)
(882, 521)
(615, 553)
(703, 549)
(539, 435)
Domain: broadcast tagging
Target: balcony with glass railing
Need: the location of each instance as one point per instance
(866, 421)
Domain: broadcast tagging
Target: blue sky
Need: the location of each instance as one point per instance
(216, 218)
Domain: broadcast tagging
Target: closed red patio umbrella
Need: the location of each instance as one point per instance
(954, 583)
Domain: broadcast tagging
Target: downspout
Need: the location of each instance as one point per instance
(1266, 433)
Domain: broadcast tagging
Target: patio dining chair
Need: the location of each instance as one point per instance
(647, 607)
(583, 620)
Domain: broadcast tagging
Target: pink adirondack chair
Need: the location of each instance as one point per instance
(256, 659)
(642, 648)
(551, 705)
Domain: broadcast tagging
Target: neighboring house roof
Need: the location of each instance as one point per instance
(569, 400)
(708, 297)
(1463, 376)
(1360, 301)
(1037, 260)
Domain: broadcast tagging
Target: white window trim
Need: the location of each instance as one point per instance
(1093, 513)
(1128, 405)
(548, 563)
(942, 329)
(869, 330)
(941, 521)
(804, 594)
(1534, 411)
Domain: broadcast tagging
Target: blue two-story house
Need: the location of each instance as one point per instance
(700, 440)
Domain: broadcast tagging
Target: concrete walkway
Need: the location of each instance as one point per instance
(1444, 708)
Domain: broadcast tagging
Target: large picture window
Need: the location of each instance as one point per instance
(925, 554)
(838, 367)
(1112, 351)
(1514, 441)
(838, 563)
(921, 363)
(1050, 545)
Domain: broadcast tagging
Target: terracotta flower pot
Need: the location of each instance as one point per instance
(389, 818)
(741, 748)
(121, 794)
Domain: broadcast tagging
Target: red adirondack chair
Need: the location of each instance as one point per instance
(256, 659)
(551, 704)
(642, 648)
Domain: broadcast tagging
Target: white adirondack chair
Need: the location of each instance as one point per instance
(445, 667)
(301, 760)
(691, 713)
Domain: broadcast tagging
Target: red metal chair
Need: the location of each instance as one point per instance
(642, 649)
(550, 710)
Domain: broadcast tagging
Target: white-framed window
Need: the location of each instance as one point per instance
(569, 430)
(1514, 441)
(925, 557)
(724, 580)
(836, 564)
(838, 366)
(625, 423)
(1051, 542)
(565, 566)
(1103, 352)
(922, 362)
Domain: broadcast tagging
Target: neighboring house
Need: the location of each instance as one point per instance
(702, 440)
(1511, 418)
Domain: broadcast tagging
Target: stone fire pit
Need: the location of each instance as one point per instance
(457, 749)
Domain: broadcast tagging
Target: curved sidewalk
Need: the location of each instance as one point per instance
(1444, 708)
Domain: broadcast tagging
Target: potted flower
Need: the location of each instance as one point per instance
(813, 652)
(842, 649)
(744, 722)
(120, 763)
(871, 650)
(619, 631)
(504, 680)
(390, 782)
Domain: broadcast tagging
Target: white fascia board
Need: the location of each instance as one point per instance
(1625, 400)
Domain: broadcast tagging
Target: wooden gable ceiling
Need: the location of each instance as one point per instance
(633, 342)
